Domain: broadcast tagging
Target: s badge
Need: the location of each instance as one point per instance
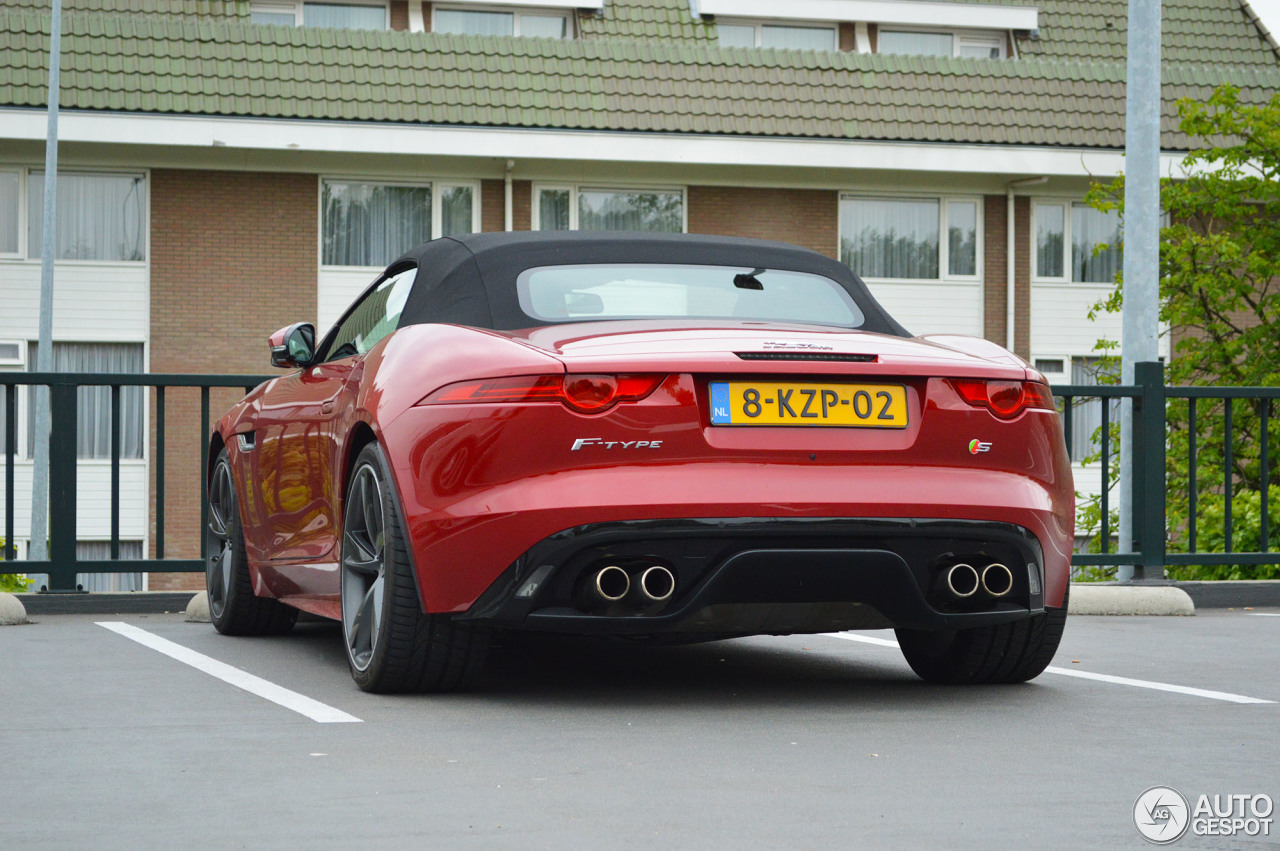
(976, 446)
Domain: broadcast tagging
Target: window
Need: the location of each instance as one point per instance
(1085, 230)
(374, 316)
(785, 36)
(541, 24)
(1086, 413)
(10, 203)
(594, 209)
(642, 291)
(371, 224)
(347, 16)
(902, 237)
(972, 45)
(93, 404)
(100, 216)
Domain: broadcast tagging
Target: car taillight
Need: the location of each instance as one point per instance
(588, 394)
(1005, 399)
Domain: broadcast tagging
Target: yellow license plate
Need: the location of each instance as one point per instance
(798, 403)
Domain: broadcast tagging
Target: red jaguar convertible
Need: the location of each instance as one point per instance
(656, 437)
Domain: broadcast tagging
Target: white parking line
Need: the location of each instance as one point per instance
(1087, 675)
(303, 705)
(1264, 614)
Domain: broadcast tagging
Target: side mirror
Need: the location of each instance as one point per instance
(293, 345)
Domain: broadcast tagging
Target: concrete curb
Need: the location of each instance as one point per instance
(198, 608)
(12, 612)
(102, 603)
(1099, 599)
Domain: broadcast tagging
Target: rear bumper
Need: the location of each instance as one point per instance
(738, 576)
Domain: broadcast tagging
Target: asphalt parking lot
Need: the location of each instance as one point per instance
(799, 742)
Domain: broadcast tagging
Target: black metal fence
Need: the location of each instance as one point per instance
(1148, 552)
(62, 564)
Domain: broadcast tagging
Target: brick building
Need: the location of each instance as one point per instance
(228, 167)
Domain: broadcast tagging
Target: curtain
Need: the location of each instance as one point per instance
(543, 26)
(883, 238)
(9, 212)
(1086, 414)
(93, 404)
(1090, 228)
(475, 23)
(455, 210)
(1049, 227)
(798, 38)
(921, 44)
(279, 19)
(653, 212)
(736, 35)
(100, 216)
(101, 551)
(962, 238)
(553, 209)
(343, 16)
(368, 224)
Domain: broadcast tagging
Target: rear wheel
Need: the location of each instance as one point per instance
(392, 645)
(1004, 653)
(233, 607)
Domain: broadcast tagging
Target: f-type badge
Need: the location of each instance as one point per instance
(601, 443)
(976, 446)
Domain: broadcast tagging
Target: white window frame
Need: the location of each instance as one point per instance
(24, 201)
(574, 189)
(284, 7)
(1066, 204)
(437, 209)
(10, 363)
(21, 213)
(959, 37)
(944, 240)
(517, 11)
(759, 25)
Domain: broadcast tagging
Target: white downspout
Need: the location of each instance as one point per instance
(508, 211)
(1010, 278)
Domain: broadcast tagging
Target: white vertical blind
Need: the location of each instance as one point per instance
(1050, 226)
(93, 404)
(344, 16)
(1091, 228)
(613, 210)
(455, 211)
(100, 216)
(475, 23)
(890, 238)
(367, 224)
(962, 238)
(9, 187)
(553, 209)
(921, 44)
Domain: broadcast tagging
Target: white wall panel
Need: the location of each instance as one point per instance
(92, 302)
(93, 499)
(932, 307)
(1060, 318)
(338, 287)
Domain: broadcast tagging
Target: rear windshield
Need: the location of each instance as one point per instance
(658, 291)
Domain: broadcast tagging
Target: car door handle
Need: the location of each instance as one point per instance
(326, 407)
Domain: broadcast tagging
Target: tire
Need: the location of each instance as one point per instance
(391, 644)
(233, 607)
(1004, 653)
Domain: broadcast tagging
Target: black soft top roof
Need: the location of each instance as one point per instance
(471, 280)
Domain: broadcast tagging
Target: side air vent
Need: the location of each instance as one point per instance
(809, 356)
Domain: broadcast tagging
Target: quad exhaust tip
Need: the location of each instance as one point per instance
(997, 580)
(962, 580)
(610, 584)
(655, 584)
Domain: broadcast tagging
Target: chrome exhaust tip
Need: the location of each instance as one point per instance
(997, 580)
(962, 580)
(656, 584)
(609, 584)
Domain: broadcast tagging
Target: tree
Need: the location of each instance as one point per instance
(1220, 297)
